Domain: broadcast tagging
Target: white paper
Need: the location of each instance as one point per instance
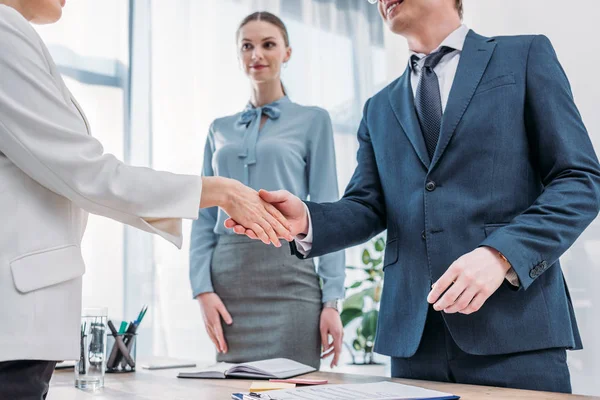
(275, 367)
(220, 367)
(368, 391)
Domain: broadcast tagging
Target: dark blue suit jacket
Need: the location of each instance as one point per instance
(514, 170)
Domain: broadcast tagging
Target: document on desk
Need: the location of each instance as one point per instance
(277, 368)
(368, 391)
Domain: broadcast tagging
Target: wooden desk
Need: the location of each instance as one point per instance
(164, 385)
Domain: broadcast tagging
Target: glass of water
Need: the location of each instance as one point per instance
(90, 368)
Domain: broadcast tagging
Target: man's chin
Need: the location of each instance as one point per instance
(398, 26)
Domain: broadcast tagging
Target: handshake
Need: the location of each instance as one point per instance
(263, 215)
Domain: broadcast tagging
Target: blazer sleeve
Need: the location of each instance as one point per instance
(43, 135)
(568, 167)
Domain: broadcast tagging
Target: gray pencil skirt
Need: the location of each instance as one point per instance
(274, 299)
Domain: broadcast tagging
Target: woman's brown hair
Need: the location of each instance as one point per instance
(267, 17)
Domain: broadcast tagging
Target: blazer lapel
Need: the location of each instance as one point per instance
(85, 121)
(476, 55)
(403, 104)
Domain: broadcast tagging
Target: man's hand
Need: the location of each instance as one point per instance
(292, 208)
(245, 206)
(469, 282)
(213, 310)
(331, 325)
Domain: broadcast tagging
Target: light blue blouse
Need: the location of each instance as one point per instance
(294, 150)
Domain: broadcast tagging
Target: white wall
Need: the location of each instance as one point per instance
(575, 33)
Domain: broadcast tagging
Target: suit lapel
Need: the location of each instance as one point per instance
(475, 56)
(403, 103)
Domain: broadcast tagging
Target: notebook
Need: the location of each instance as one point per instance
(277, 368)
(166, 363)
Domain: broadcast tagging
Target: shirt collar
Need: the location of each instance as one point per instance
(283, 100)
(455, 40)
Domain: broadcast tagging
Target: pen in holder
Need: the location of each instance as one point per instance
(122, 350)
(123, 344)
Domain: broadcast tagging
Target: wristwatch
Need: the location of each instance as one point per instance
(336, 304)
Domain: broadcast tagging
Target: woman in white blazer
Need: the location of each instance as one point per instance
(52, 173)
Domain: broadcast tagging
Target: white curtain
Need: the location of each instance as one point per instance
(338, 61)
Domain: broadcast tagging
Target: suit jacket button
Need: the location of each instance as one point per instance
(423, 235)
(533, 274)
(430, 186)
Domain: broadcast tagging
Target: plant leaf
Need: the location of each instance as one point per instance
(355, 285)
(350, 314)
(380, 244)
(366, 257)
(369, 323)
(356, 301)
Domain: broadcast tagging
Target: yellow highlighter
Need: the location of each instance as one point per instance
(266, 386)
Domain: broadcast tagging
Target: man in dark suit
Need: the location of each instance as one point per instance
(477, 162)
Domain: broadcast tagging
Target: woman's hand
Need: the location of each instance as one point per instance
(292, 208)
(213, 310)
(331, 325)
(245, 206)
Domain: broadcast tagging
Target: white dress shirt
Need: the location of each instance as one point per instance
(445, 71)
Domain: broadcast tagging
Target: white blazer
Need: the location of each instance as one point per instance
(52, 173)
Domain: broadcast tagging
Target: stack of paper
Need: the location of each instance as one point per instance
(369, 391)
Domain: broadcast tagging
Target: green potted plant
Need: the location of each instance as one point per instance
(362, 301)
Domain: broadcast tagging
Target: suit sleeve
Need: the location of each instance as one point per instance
(44, 137)
(567, 165)
(360, 214)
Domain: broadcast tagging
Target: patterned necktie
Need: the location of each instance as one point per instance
(251, 118)
(428, 101)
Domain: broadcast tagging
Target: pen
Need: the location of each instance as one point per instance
(129, 337)
(141, 314)
(122, 327)
(255, 396)
(121, 346)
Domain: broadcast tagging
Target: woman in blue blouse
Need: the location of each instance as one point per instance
(273, 304)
